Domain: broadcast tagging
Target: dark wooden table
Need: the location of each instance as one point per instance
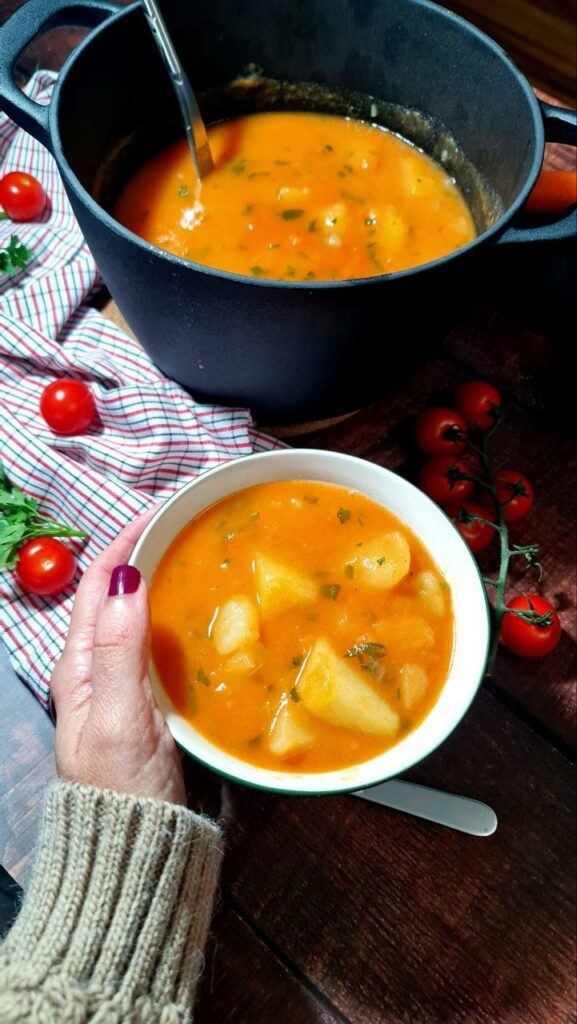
(335, 910)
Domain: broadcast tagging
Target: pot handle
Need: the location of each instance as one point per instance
(26, 23)
(560, 126)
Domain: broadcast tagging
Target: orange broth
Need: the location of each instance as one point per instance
(300, 196)
(328, 540)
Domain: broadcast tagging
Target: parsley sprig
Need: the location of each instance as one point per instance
(21, 521)
(14, 257)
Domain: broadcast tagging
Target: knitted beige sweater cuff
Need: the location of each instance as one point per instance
(115, 920)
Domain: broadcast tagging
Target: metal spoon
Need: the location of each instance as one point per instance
(458, 812)
(194, 125)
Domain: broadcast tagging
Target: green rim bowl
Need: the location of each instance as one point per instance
(425, 519)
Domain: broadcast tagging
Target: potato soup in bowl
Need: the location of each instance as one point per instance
(311, 621)
(300, 625)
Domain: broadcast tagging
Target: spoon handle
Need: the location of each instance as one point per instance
(458, 812)
(194, 125)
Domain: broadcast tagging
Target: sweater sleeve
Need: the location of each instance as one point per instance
(113, 927)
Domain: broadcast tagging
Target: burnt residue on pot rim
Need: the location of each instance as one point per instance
(253, 93)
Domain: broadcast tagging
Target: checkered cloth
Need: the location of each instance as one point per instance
(152, 437)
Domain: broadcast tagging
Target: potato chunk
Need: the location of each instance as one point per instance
(391, 231)
(414, 182)
(242, 663)
(413, 684)
(405, 635)
(290, 731)
(333, 690)
(236, 624)
(280, 587)
(383, 562)
(292, 196)
(429, 588)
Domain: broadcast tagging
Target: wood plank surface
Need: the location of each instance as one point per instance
(245, 982)
(397, 920)
(26, 768)
(334, 910)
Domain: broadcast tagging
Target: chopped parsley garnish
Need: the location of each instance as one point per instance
(343, 515)
(183, 191)
(327, 148)
(297, 661)
(373, 649)
(331, 590)
(293, 694)
(381, 560)
(14, 257)
(312, 226)
(349, 570)
(238, 166)
(369, 655)
(201, 677)
(257, 271)
(291, 214)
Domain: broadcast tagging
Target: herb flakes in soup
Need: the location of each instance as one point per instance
(295, 670)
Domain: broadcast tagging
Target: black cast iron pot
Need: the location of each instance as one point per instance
(287, 349)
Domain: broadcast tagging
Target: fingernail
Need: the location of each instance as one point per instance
(124, 580)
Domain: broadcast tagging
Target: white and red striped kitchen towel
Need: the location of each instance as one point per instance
(152, 435)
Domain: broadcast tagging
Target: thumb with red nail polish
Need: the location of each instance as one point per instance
(115, 737)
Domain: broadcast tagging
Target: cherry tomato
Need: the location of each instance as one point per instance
(440, 479)
(554, 192)
(22, 196)
(440, 431)
(507, 482)
(525, 638)
(479, 403)
(67, 406)
(45, 565)
(478, 535)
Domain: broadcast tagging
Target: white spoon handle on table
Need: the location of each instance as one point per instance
(458, 812)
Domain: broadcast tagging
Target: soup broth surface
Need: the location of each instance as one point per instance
(300, 626)
(299, 196)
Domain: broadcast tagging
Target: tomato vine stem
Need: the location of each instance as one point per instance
(530, 551)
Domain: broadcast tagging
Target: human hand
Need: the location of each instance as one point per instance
(109, 731)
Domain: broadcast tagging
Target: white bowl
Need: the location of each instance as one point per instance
(437, 533)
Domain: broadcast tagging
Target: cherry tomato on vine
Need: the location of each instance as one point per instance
(478, 535)
(440, 431)
(528, 639)
(22, 196)
(479, 404)
(67, 406)
(507, 483)
(45, 565)
(440, 479)
(554, 192)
